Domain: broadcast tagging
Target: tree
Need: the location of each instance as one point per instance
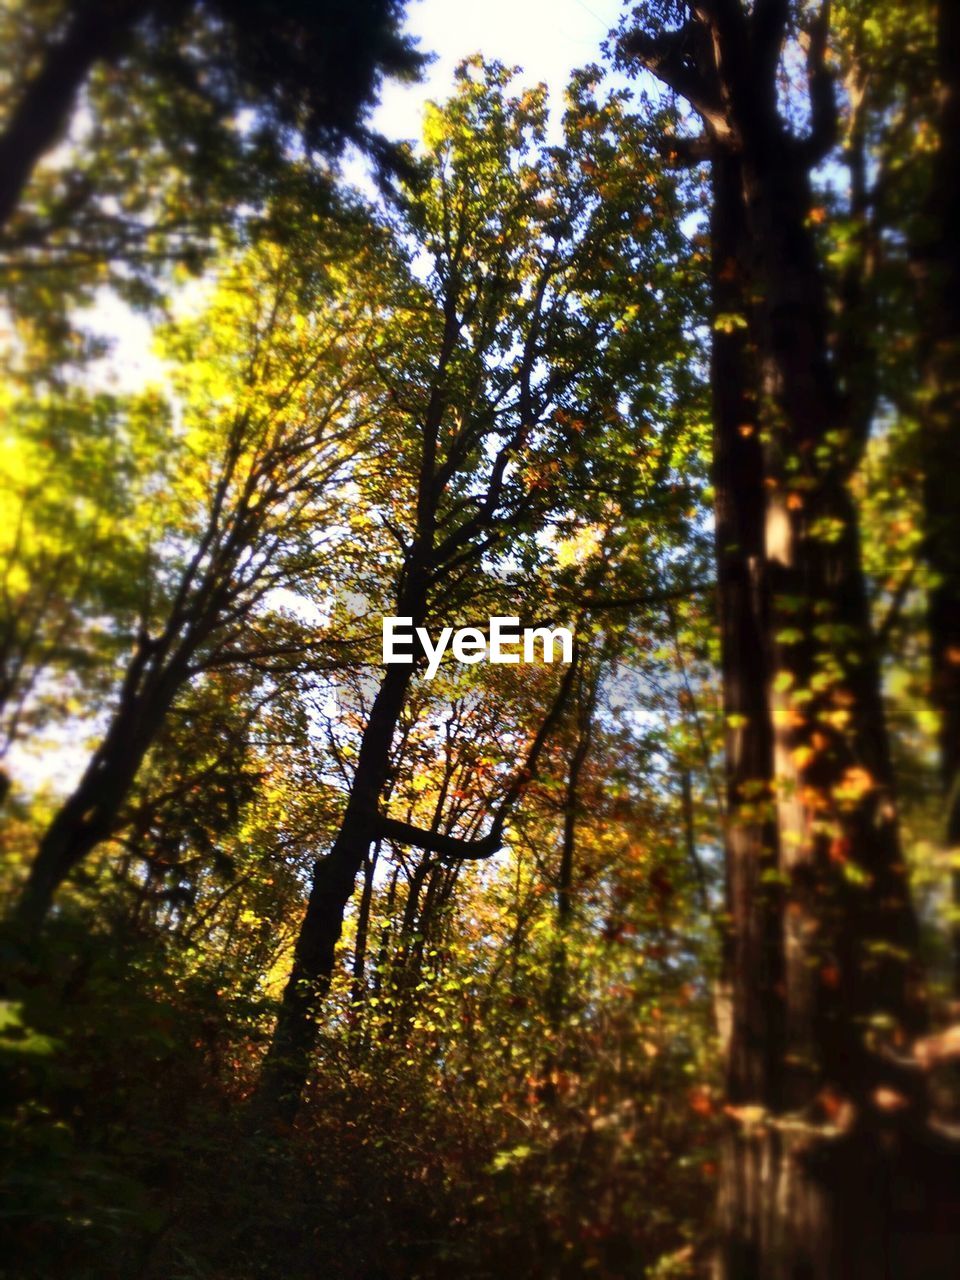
(272, 412)
(308, 72)
(513, 351)
(823, 935)
(937, 254)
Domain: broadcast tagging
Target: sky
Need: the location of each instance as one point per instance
(547, 38)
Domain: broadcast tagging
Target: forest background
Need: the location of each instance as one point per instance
(643, 964)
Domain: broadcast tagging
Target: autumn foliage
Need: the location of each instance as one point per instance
(313, 966)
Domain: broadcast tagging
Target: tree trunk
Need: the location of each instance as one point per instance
(559, 978)
(939, 317)
(287, 1063)
(824, 1119)
(753, 952)
(89, 815)
(558, 1055)
(839, 841)
(802, 1195)
(358, 988)
(557, 994)
(408, 947)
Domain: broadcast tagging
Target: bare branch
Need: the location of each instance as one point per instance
(458, 849)
(436, 842)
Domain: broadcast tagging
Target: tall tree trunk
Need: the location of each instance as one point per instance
(408, 946)
(838, 831)
(358, 986)
(89, 815)
(557, 994)
(287, 1064)
(753, 960)
(95, 31)
(820, 1203)
(823, 946)
(940, 416)
(794, 1201)
(558, 1056)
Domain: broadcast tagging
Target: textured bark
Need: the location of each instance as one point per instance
(848, 932)
(841, 856)
(753, 957)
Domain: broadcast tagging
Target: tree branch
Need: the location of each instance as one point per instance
(824, 123)
(457, 849)
(668, 57)
(681, 152)
(436, 842)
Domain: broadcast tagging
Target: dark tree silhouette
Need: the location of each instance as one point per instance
(309, 71)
